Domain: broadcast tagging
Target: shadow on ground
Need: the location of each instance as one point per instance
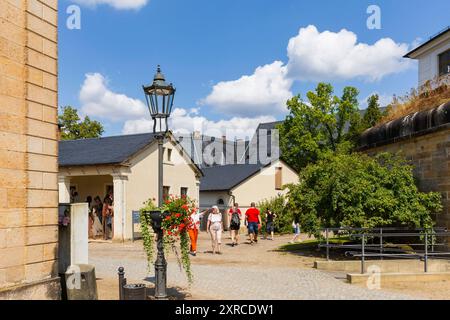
(174, 293)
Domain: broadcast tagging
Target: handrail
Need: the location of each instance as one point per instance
(421, 233)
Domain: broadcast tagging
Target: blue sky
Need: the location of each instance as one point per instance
(205, 47)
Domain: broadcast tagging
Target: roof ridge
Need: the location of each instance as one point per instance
(108, 137)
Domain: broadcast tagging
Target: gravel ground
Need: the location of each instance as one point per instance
(244, 272)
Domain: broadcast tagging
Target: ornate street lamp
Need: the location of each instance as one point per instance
(159, 96)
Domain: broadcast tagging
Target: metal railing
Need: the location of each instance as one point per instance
(361, 248)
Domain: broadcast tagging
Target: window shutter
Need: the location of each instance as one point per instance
(278, 178)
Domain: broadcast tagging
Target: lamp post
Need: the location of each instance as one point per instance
(159, 96)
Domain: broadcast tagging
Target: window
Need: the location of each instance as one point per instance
(220, 202)
(444, 63)
(278, 178)
(169, 155)
(166, 191)
(183, 191)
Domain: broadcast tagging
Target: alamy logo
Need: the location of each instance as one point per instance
(374, 280)
(73, 21)
(73, 281)
(374, 20)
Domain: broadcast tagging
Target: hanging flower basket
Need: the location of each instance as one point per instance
(174, 220)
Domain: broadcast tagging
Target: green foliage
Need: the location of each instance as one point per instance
(148, 237)
(373, 113)
(175, 229)
(185, 260)
(72, 128)
(359, 191)
(313, 130)
(283, 221)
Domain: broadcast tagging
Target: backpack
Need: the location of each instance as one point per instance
(235, 220)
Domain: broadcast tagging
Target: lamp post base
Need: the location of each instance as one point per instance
(160, 263)
(160, 270)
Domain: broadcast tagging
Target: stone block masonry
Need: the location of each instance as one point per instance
(28, 149)
(430, 155)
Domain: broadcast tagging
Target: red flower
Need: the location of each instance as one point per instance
(177, 215)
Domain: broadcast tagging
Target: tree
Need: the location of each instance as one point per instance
(283, 222)
(318, 127)
(72, 128)
(355, 190)
(373, 113)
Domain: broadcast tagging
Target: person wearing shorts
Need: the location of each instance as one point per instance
(253, 219)
(296, 227)
(215, 227)
(234, 217)
(270, 218)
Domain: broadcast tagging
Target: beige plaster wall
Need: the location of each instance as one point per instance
(91, 186)
(142, 181)
(262, 185)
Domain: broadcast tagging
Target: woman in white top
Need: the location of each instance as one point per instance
(215, 227)
(193, 230)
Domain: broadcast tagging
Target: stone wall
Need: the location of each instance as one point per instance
(28, 149)
(430, 154)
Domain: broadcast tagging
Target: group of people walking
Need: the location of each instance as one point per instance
(215, 226)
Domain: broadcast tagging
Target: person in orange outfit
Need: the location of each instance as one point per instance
(193, 230)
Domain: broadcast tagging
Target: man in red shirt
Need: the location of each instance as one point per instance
(253, 219)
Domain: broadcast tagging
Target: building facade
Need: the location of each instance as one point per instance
(433, 57)
(243, 184)
(127, 166)
(28, 150)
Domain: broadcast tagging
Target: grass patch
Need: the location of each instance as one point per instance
(432, 94)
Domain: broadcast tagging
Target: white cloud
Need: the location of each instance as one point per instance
(320, 56)
(182, 121)
(312, 56)
(116, 4)
(99, 101)
(264, 92)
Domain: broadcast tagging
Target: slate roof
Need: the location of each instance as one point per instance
(108, 150)
(431, 39)
(268, 125)
(224, 178)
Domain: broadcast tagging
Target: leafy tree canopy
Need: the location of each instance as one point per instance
(326, 124)
(373, 114)
(355, 190)
(283, 222)
(318, 127)
(72, 128)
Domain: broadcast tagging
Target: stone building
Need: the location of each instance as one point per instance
(424, 139)
(28, 150)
